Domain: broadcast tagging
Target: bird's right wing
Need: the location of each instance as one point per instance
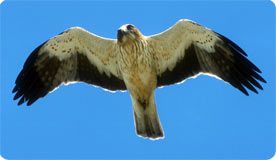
(188, 49)
(74, 55)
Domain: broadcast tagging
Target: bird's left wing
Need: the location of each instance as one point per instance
(188, 49)
(74, 55)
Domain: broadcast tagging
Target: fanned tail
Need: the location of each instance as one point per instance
(147, 122)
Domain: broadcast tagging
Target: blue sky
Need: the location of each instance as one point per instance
(202, 118)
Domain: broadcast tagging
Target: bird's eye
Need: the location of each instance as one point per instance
(129, 27)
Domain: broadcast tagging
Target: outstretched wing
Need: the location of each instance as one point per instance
(74, 55)
(188, 49)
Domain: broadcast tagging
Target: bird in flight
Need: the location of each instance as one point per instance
(136, 63)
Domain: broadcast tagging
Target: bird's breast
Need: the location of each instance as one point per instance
(137, 70)
(134, 57)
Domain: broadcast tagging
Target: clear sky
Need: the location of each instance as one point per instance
(202, 118)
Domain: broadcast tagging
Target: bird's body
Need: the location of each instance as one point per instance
(137, 67)
(136, 63)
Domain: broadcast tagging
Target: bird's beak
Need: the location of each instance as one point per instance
(120, 35)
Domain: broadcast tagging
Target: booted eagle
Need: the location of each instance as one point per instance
(136, 63)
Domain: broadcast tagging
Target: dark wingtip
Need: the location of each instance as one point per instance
(21, 101)
(255, 91)
(14, 89)
(257, 69)
(231, 44)
(32, 100)
(246, 93)
(261, 79)
(25, 79)
(17, 95)
(259, 86)
(243, 90)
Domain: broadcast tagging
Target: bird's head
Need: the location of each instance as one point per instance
(128, 33)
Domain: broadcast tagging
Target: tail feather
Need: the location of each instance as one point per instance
(146, 118)
(148, 125)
